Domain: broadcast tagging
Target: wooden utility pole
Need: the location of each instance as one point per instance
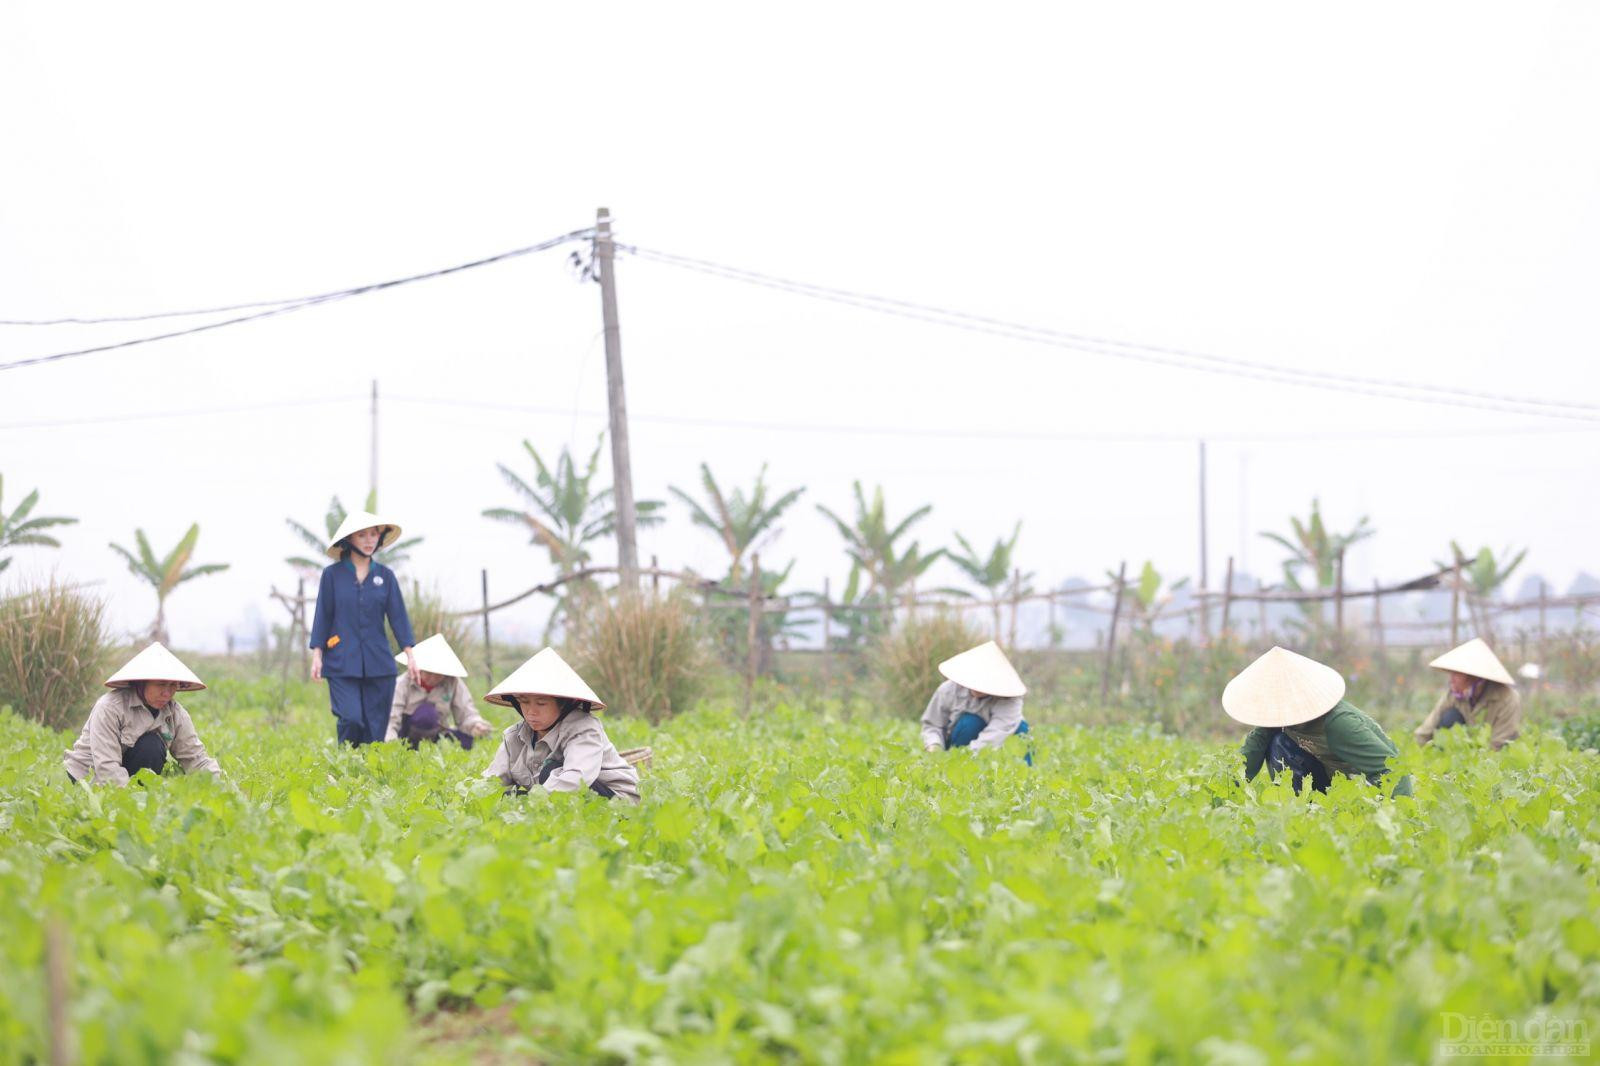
(1205, 612)
(372, 480)
(1111, 636)
(488, 647)
(1227, 596)
(621, 466)
(1338, 600)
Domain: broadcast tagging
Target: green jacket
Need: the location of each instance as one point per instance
(1345, 739)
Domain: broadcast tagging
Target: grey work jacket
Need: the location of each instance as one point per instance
(950, 701)
(1498, 706)
(116, 722)
(448, 695)
(579, 741)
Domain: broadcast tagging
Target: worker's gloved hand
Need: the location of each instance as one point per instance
(480, 729)
(933, 747)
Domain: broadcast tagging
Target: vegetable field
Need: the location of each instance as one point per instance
(793, 888)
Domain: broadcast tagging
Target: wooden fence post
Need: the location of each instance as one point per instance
(488, 645)
(1016, 605)
(304, 630)
(1544, 598)
(1111, 635)
(655, 577)
(827, 636)
(1455, 604)
(752, 629)
(1261, 609)
(1227, 596)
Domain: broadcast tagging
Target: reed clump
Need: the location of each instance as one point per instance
(55, 653)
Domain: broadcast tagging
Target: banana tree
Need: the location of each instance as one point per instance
(165, 574)
(992, 574)
(1146, 597)
(1483, 576)
(742, 523)
(17, 530)
(395, 555)
(1315, 549)
(564, 514)
(871, 540)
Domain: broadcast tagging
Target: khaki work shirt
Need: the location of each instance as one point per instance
(1498, 706)
(448, 695)
(116, 722)
(950, 701)
(586, 754)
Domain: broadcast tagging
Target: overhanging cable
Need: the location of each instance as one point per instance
(290, 306)
(1157, 354)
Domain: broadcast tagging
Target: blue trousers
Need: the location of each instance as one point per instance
(965, 729)
(361, 708)
(1452, 717)
(1284, 753)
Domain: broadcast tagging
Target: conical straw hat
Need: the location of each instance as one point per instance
(1281, 689)
(435, 656)
(155, 663)
(984, 669)
(355, 522)
(546, 674)
(1475, 659)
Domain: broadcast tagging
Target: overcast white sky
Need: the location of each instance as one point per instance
(1401, 190)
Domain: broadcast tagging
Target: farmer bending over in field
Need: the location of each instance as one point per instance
(1303, 723)
(1481, 692)
(348, 646)
(139, 723)
(418, 710)
(980, 704)
(558, 742)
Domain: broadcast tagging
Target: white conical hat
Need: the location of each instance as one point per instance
(155, 663)
(546, 674)
(1281, 689)
(435, 656)
(1475, 659)
(355, 522)
(984, 669)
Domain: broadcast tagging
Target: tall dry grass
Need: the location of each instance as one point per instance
(55, 652)
(643, 655)
(904, 663)
(429, 614)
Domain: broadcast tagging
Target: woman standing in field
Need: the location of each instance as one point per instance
(348, 646)
(558, 742)
(978, 706)
(139, 723)
(1480, 692)
(1304, 724)
(417, 713)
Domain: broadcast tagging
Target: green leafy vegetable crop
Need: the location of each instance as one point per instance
(793, 889)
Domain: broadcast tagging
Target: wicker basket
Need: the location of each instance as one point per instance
(639, 757)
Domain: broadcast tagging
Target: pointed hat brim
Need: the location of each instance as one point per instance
(546, 674)
(984, 669)
(355, 522)
(436, 656)
(1282, 689)
(155, 663)
(1475, 659)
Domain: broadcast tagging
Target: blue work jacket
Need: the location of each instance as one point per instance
(348, 625)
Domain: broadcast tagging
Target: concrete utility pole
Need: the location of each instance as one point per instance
(621, 468)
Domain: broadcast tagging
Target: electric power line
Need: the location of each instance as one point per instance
(979, 434)
(1166, 356)
(288, 306)
(157, 416)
